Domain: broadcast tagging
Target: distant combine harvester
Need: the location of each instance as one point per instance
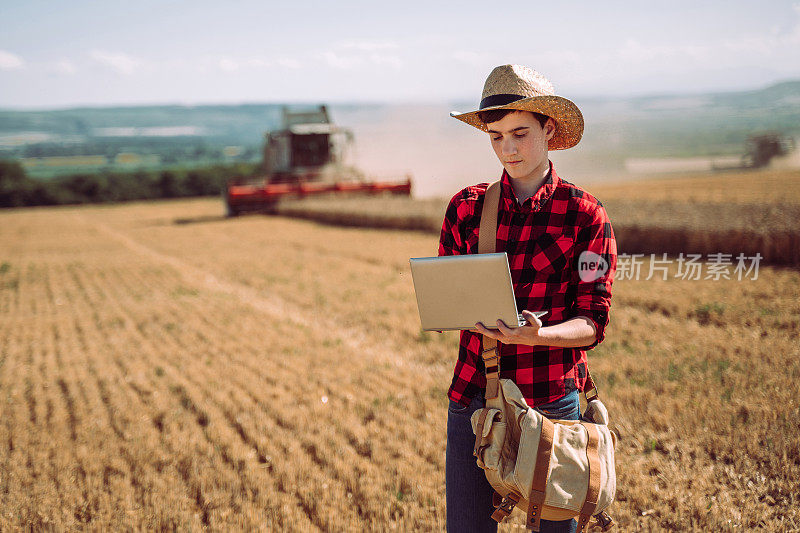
(304, 158)
(760, 149)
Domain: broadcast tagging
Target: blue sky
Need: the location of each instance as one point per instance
(56, 54)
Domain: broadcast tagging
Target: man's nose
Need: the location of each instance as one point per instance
(508, 147)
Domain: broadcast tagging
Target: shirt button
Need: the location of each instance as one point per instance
(519, 219)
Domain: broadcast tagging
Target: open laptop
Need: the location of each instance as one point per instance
(456, 291)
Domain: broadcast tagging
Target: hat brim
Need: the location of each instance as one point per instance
(568, 118)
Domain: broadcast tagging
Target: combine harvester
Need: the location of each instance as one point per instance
(759, 150)
(304, 158)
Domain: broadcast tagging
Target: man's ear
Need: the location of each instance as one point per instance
(550, 128)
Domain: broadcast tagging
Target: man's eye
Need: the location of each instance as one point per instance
(496, 138)
(519, 136)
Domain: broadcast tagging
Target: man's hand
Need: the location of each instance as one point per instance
(573, 333)
(527, 334)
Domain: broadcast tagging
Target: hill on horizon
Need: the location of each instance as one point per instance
(90, 139)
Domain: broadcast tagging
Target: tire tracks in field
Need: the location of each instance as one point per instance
(83, 339)
(51, 337)
(105, 444)
(184, 344)
(192, 334)
(356, 341)
(47, 331)
(9, 414)
(202, 394)
(205, 334)
(46, 375)
(351, 338)
(192, 486)
(157, 354)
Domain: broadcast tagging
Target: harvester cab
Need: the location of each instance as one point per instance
(305, 157)
(305, 147)
(760, 149)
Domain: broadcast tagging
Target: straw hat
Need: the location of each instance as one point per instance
(522, 88)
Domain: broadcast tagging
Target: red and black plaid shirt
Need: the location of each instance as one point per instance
(543, 236)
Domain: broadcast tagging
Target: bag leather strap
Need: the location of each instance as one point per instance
(479, 431)
(487, 244)
(593, 489)
(487, 239)
(482, 441)
(540, 472)
(589, 388)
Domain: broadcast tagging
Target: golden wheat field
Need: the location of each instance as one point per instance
(163, 368)
(747, 211)
(747, 186)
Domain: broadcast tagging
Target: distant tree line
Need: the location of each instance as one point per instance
(19, 190)
(169, 150)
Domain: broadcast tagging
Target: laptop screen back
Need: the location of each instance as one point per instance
(456, 291)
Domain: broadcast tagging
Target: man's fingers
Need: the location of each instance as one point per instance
(531, 318)
(505, 330)
(488, 332)
(492, 335)
(481, 329)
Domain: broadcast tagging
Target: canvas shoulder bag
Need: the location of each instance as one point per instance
(554, 469)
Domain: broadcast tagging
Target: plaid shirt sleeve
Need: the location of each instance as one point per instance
(592, 284)
(459, 220)
(451, 242)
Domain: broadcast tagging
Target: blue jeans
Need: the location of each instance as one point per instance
(469, 494)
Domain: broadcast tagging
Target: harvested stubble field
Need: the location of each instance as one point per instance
(749, 212)
(164, 368)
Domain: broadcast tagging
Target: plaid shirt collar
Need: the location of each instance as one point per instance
(535, 202)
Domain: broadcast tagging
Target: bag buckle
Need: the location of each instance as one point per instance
(604, 520)
(491, 361)
(483, 352)
(508, 503)
(505, 507)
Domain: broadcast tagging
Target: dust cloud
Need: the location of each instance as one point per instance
(441, 153)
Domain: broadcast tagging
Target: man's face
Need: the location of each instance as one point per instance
(521, 144)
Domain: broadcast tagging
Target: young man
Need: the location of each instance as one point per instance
(562, 256)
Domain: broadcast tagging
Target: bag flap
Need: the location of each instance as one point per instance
(491, 417)
(513, 395)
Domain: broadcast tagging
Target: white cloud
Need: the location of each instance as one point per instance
(368, 46)
(385, 59)
(341, 61)
(776, 42)
(793, 38)
(230, 64)
(122, 63)
(775, 46)
(471, 58)
(65, 66)
(288, 62)
(227, 64)
(634, 51)
(9, 61)
(355, 54)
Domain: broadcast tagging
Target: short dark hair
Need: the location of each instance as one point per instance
(493, 115)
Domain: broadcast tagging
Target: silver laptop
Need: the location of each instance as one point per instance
(456, 291)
